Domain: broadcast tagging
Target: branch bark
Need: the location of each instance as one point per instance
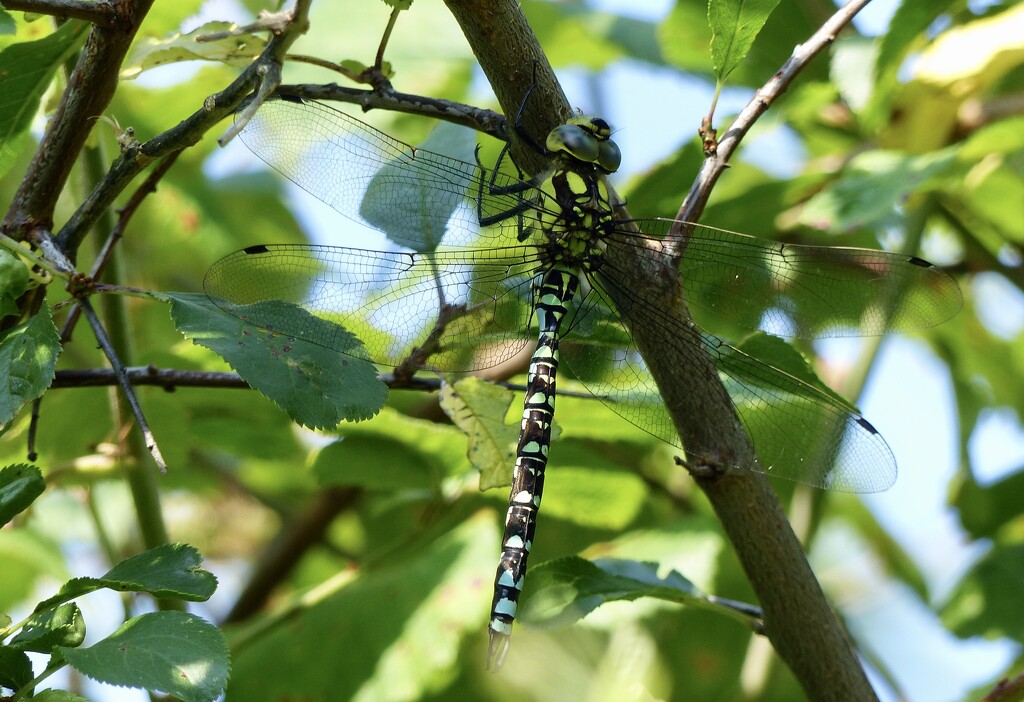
(91, 86)
(799, 621)
(99, 13)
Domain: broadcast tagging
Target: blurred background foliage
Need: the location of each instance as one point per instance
(908, 134)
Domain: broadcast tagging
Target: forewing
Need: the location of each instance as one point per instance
(473, 304)
(802, 291)
(420, 199)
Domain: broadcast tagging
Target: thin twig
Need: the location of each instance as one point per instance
(379, 61)
(486, 121)
(169, 379)
(124, 217)
(122, 381)
(270, 77)
(715, 164)
(280, 557)
(354, 76)
(187, 133)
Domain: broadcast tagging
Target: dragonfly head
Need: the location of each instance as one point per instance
(586, 139)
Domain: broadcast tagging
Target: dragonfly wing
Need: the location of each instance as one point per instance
(799, 431)
(474, 304)
(420, 199)
(801, 291)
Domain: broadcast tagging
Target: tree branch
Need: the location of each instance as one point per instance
(101, 14)
(122, 381)
(136, 157)
(91, 86)
(487, 121)
(713, 166)
(171, 379)
(798, 619)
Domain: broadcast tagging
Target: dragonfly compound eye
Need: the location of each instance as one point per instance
(575, 141)
(609, 156)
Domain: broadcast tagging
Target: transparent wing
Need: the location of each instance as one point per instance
(474, 305)
(799, 291)
(420, 199)
(799, 432)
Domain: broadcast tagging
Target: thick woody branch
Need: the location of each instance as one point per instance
(91, 86)
(798, 619)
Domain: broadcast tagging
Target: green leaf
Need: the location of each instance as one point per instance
(317, 387)
(987, 600)
(911, 20)
(984, 511)
(872, 186)
(572, 33)
(7, 24)
(566, 590)
(851, 70)
(20, 485)
(175, 653)
(375, 463)
(479, 408)
(168, 571)
(587, 488)
(27, 557)
(58, 696)
(236, 50)
(27, 69)
(14, 280)
(63, 626)
(980, 52)
(392, 187)
(398, 632)
(782, 355)
(15, 668)
(28, 354)
(734, 26)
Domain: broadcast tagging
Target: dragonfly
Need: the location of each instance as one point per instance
(483, 262)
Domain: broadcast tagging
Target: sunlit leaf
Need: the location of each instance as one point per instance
(27, 70)
(63, 626)
(171, 652)
(28, 355)
(20, 485)
(568, 589)
(734, 26)
(317, 387)
(479, 408)
(986, 602)
(231, 46)
(168, 571)
(395, 632)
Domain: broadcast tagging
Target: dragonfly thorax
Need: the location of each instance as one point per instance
(575, 232)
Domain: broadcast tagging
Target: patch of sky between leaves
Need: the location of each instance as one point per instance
(996, 446)
(1000, 305)
(650, 10)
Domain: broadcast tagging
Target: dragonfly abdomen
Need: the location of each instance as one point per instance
(555, 290)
